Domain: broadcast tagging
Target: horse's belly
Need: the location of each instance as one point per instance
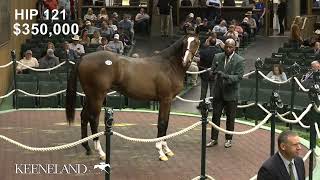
(138, 90)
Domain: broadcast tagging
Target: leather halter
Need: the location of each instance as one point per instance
(193, 54)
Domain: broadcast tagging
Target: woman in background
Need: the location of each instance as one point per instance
(85, 39)
(295, 40)
(277, 73)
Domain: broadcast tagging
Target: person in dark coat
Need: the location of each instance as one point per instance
(281, 15)
(286, 163)
(206, 57)
(68, 53)
(49, 60)
(229, 69)
(163, 8)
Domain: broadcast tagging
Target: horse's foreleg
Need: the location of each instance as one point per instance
(166, 149)
(163, 120)
(84, 130)
(95, 108)
(97, 146)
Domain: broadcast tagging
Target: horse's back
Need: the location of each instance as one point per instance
(98, 70)
(142, 78)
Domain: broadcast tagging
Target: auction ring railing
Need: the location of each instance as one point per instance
(314, 129)
(185, 130)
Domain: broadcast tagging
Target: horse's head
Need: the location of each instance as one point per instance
(191, 44)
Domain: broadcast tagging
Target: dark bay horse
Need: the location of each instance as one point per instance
(157, 78)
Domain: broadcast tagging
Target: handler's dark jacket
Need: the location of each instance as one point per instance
(227, 89)
(206, 58)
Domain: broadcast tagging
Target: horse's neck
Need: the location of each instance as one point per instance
(174, 50)
(177, 60)
(176, 64)
(174, 54)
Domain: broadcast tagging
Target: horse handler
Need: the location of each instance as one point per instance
(227, 76)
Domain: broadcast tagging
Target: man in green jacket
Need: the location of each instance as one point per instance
(229, 69)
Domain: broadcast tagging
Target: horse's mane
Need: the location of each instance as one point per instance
(172, 49)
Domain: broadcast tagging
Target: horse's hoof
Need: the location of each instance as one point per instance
(103, 158)
(163, 158)
(170, 154)
(88, 153)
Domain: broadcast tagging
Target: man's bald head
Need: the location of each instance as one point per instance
(231, 42)
(230, 46)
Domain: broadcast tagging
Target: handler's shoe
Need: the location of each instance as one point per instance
(212, 143)
(227, 144)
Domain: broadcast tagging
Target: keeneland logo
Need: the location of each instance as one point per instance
(51, 169)
(102, 166)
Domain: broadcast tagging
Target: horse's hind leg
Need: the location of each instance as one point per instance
(95, 109)
(84, 129)
(97, 146)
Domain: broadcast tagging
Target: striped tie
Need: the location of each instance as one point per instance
(291, 171)
(226, 60)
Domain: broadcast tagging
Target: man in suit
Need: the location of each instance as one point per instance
(307, 80)
(286, 163)
(227, 77)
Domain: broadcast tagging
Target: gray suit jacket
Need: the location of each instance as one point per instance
(230, 86)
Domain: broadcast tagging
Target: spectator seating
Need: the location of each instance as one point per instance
(116, 101)
(24, 101)
(46, 87)
(133, 103)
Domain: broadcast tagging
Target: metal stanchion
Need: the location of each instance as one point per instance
(14, 66)
(108, 120)
(312, 146)
(273, 132)
(293, 94)
(204, 106)
(204, 119)
(258, 65)
(275, 103)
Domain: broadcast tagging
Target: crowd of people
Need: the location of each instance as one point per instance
(100, 31)
(119, 32)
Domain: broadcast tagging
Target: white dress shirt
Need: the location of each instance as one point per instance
(79, 48)
(227, 59)
(286, 163)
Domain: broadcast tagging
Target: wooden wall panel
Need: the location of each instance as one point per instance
(13, 43)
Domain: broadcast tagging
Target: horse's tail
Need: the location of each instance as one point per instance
(72, 93)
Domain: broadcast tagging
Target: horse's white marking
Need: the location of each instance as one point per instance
(160, 149)
(108, 62)
(165, 148)
(97, 147)
(186, 54)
